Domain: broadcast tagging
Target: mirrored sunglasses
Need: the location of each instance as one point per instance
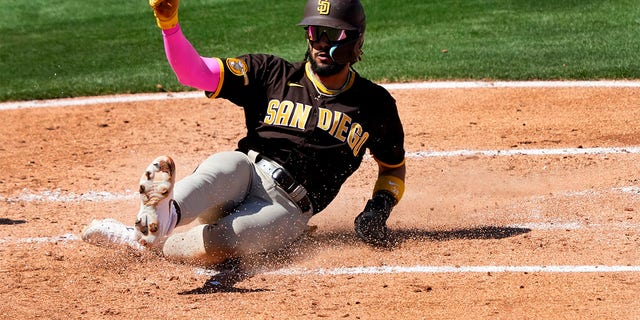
(314, 33)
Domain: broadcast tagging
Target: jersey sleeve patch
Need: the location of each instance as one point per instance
(239, 68)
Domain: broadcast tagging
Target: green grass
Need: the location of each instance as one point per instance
(64, 48)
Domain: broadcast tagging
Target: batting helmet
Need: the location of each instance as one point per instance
(339, 14)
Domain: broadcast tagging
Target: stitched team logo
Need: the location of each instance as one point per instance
(239, 68)
(323, 6)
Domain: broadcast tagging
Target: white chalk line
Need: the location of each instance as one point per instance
(60, 196)
(526, 152)
(67, 102)
(71, 102)
(513, 84)
(55, 239)
(456, 269)
(440, 269)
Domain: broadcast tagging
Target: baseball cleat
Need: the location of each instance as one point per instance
(157, 216)
(110, 233)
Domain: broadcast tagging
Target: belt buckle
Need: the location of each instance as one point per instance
(285, 181)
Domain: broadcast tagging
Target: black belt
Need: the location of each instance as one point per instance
(284, 180)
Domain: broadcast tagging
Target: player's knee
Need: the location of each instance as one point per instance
(226, 162)
(189, 247)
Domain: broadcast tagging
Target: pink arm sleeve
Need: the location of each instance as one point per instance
(190, 68)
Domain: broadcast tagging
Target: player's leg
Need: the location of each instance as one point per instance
(219, 184)
(266, 221)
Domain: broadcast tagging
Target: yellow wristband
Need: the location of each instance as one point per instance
(168, 22)
(391, 184)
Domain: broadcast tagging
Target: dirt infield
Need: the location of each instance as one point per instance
(551, 232)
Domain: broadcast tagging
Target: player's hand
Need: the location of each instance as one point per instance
(166, 12)
(371, 223)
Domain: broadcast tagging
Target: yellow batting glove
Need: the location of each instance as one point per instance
(166, 12)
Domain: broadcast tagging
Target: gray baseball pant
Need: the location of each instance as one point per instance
(240, 208)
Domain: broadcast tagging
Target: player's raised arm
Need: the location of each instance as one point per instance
(191, 69)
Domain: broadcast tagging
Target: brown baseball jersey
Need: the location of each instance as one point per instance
(319, 135)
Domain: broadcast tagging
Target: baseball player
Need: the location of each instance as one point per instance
(308, 124)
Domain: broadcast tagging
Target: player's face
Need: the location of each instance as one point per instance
(321, 39)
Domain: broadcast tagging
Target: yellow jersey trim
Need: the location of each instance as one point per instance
(321, 87)
(390, 166)
(215, 94)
